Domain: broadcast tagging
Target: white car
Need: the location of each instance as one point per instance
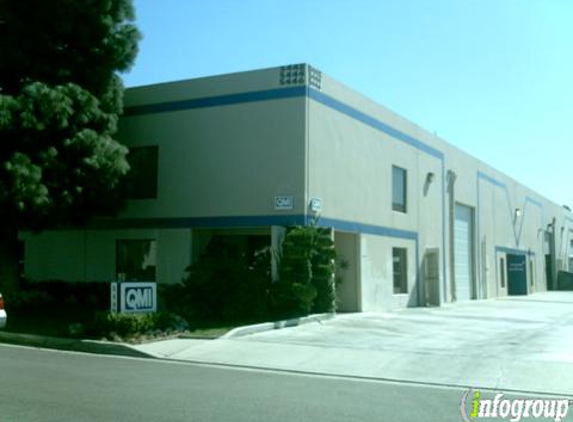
(3, 316)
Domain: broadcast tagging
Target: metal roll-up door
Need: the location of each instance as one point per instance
(463, 252)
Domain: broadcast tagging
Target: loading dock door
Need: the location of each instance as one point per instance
(516, 275)
(463, 252)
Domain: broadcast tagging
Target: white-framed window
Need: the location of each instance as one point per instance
(135, 259)
(399, 189)
(400, 270)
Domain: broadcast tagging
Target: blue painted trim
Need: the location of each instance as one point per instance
(276, 94)
(198, 222)
(491, 180)
(354, 227)
(217, 101)
(372, 122)
(350, 226)
(528, 200)
(514, 251)
(250, 221)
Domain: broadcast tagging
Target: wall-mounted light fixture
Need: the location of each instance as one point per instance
(430, 177)
(517, 213)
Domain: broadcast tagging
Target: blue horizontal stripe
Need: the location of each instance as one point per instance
(354, 227)
(513, 251)
(221, 100)
(491, 180)
(534, 202)
(372, 122)
(282, 93)
(199, 222)
(249, 221)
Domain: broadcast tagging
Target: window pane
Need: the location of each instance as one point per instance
(399, 192)
(135, 260)
(142, 176)
(400, 269)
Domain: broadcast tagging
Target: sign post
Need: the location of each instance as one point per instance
(113, 298)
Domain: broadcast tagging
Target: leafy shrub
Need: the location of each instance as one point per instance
(323, 270)
(225, 284)
(306, 273)
(52, 296)
(126, 326)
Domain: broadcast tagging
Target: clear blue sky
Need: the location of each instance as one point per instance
(493, 77)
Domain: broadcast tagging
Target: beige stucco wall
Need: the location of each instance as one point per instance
(349, 168)
(90, 255)
(222, 161)
(232, 160)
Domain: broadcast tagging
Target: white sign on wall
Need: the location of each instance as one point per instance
(284, 202)
(315, 204)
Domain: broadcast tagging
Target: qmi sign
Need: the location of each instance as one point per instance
(138, 297)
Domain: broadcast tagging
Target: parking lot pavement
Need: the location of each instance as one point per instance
(512, 344)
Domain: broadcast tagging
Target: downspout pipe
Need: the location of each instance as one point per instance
(452, 176)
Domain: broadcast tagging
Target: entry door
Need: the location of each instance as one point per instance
(463, 252)
(516, 275)
(432, 276)
(501, 266)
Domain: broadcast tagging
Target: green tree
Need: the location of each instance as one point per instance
(60, 97)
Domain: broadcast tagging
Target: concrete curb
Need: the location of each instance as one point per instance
(85, 346)
(268, 326)
(123, 349)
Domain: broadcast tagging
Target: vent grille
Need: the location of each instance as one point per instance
(294, 74)
(300, 74)
(315, 78)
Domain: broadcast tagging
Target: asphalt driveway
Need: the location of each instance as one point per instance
(512, 344)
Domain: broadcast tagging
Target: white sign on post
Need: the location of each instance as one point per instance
(138, 297)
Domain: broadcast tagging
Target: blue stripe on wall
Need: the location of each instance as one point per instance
(221, 100)
(372, 122)
(281, 93)
(198, 222)
(354, 227)
(528, 200)
(249, 221)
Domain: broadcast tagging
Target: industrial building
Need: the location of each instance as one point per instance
(417, 221)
